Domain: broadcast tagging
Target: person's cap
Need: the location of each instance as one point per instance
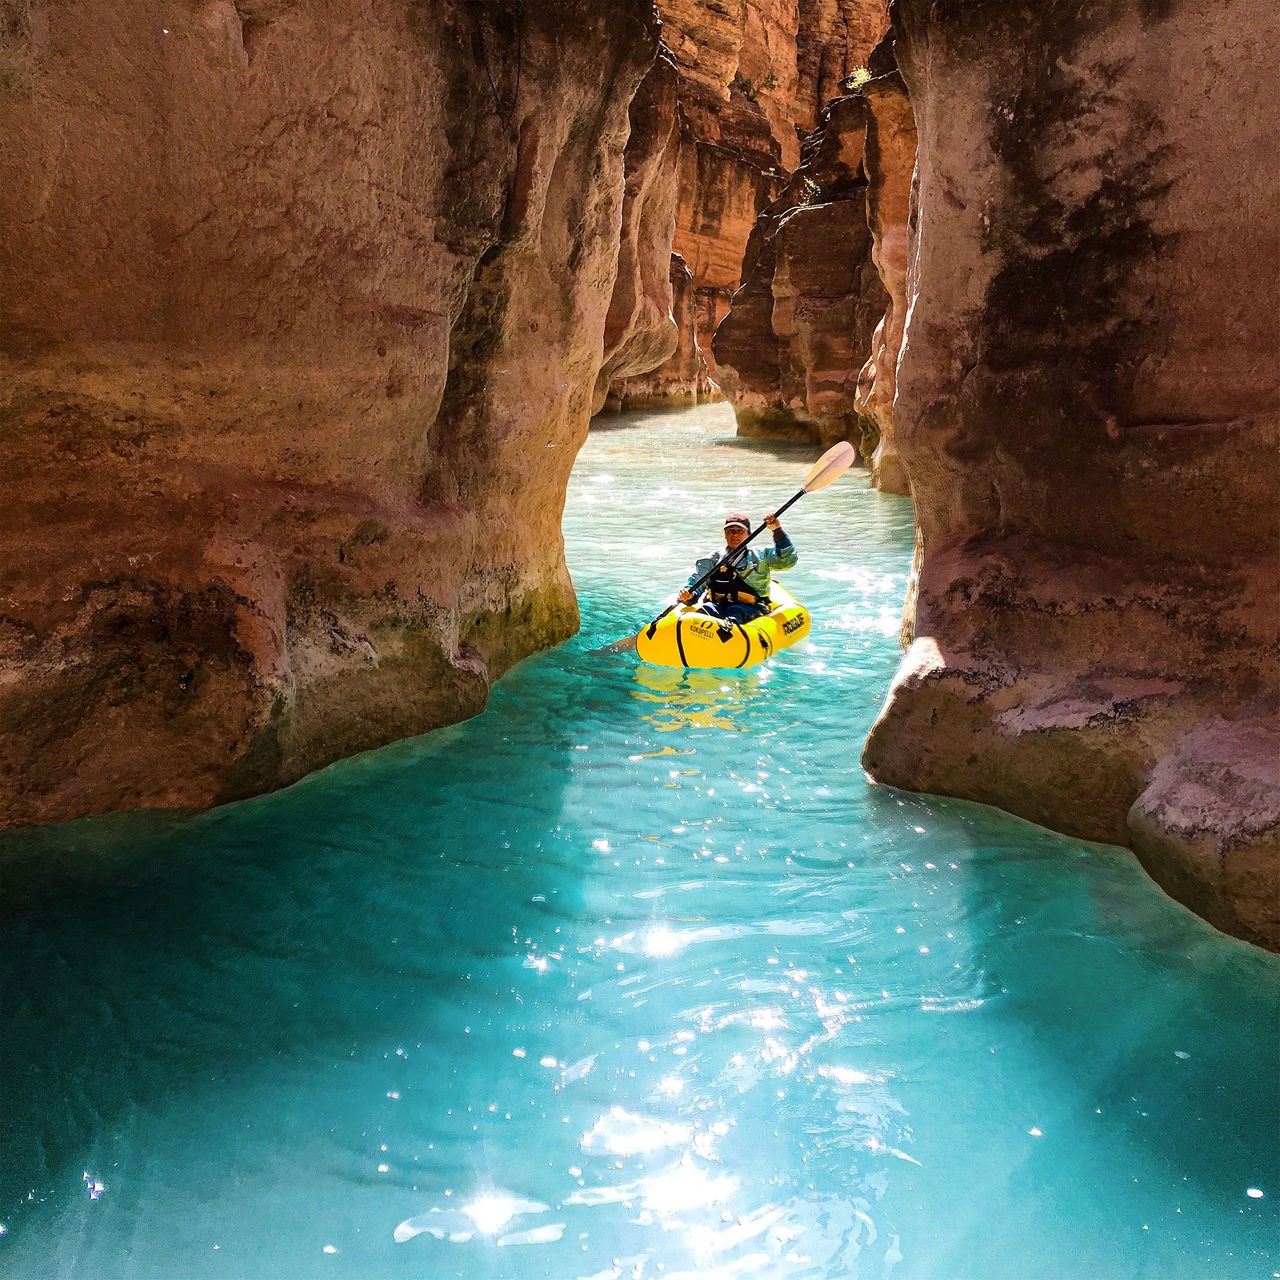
(735, 518)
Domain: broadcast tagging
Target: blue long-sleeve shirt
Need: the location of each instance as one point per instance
(755, 566)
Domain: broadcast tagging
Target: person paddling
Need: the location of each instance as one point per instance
(739, 589)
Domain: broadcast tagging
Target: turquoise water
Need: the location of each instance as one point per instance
(633, 976)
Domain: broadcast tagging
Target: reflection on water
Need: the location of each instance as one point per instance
(697, 699)
(633, 976)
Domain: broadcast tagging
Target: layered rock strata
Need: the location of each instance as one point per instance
(1087, 408)
(754, 75)
(303, 307)
(789, 351)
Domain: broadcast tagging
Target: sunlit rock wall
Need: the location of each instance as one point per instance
(1087, 410)
(754, 75)
(301, 310)
(790, 349)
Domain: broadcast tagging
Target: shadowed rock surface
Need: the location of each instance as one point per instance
(303, 306)
(790, 348)
(1087, 411)
(890, 163)
(641, 329)
(683, 378)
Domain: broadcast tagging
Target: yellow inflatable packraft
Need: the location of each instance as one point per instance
(687, 638)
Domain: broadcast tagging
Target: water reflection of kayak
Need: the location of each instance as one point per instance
(687, 638)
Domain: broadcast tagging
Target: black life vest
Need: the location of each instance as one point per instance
(727, 586)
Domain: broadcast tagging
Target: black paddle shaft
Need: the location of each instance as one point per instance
(728, 558)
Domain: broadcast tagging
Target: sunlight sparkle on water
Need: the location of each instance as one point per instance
(663, 941)
(490, 1213)
(735, 1067)
(624, 1133)
(685, 1186)
(847, 1076)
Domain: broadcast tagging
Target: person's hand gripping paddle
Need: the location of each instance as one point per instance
(831, 466)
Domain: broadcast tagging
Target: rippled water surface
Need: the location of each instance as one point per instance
(633, 976)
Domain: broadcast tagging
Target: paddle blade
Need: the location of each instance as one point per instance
(831, 466)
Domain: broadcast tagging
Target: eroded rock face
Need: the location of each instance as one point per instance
(684, 378)
(754, 74)
(641, 332)
(303, 306)
(890, 161)
(1087, 408)
(789, 351)
(787, 58)
(730, 168)
(1207, 826)
(835, 38)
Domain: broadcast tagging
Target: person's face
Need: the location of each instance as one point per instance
(734, 536)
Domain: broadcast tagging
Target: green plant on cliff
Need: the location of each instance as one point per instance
(855, 80)
(748, 87)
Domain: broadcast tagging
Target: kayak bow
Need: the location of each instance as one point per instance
(686, 637)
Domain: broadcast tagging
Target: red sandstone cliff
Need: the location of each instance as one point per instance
(302, 308)
(789, 350)
(753, 75)
(1087, 410)
(810, 345)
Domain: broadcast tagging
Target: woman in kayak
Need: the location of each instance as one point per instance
(739, 589)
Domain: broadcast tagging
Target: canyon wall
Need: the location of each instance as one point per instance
(1086, 408)
(809, 347)
(790, 349)
(889, 160)
(754, 75)
(301, 312)
(642, 328)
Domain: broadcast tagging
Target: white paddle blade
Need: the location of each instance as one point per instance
(831, 466)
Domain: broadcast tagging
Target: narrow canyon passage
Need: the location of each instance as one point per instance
(632, 975)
